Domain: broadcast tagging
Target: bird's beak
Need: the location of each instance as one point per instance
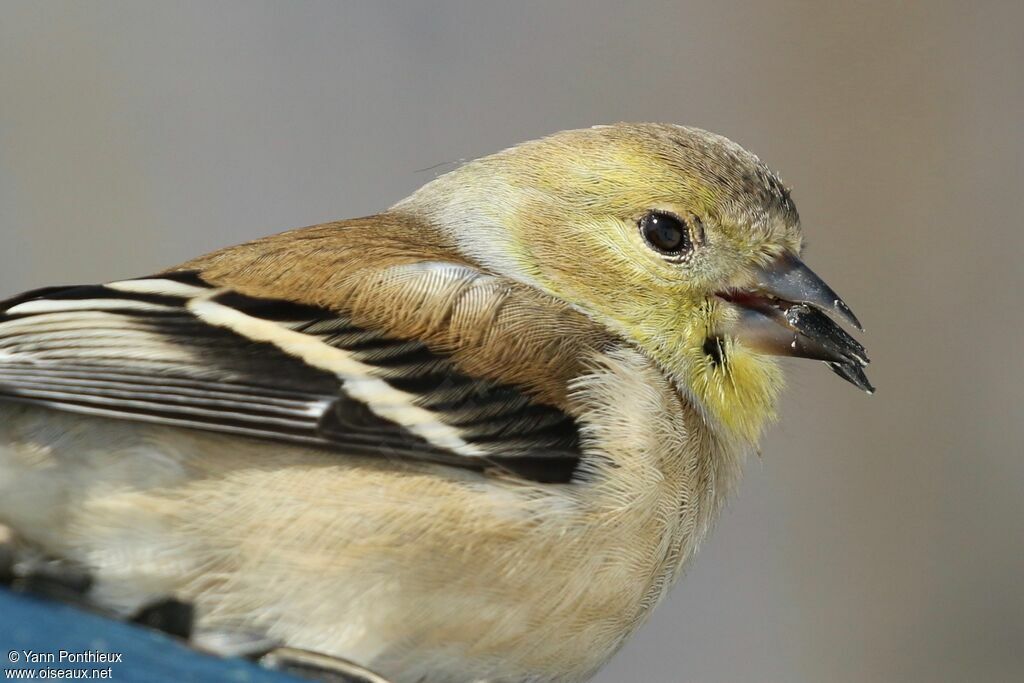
(785, 313)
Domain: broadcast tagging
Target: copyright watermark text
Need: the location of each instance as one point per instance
(60, 664)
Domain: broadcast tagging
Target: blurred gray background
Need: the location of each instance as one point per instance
(877, 538)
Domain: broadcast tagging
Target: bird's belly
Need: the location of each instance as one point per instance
(424, 577)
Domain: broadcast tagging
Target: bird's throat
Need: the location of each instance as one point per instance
(735, 388)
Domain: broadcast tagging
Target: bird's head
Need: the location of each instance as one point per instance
(677, 239)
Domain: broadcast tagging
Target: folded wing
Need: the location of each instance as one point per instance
(175, 350)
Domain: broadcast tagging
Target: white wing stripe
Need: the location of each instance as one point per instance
(357, 378)
(158, 286)
(78, 320)
(60, 305)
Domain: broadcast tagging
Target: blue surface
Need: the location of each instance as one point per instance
(32, 625)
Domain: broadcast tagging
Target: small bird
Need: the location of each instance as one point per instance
(475, 437)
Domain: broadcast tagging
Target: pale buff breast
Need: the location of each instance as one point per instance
(420, 575)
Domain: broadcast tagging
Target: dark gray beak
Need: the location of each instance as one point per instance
(786, 313)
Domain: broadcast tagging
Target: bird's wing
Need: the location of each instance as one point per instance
(179, 349)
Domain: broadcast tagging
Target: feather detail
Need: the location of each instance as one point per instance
(174, 349)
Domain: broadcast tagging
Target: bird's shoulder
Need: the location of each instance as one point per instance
(392, 274)
(369, 336)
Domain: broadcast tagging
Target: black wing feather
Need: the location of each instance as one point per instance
(142, 354)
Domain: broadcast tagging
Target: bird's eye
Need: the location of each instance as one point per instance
(666, 233)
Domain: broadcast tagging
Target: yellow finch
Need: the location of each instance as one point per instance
(474, 437)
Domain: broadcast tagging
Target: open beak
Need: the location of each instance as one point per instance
(786, 313)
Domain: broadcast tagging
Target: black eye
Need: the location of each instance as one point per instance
(666, 233)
